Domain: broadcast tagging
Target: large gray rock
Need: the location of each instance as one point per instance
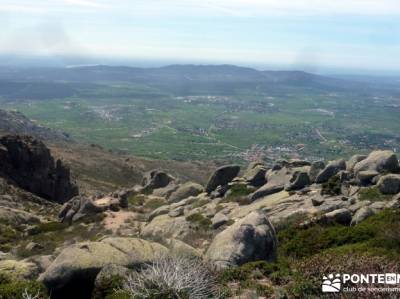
(186, 190)
(265, 190)
(380, 161)
(222, 176)
(166, 191)
(353, 161)
(165, 226)
(177, 247)
(330, 170)
(252, 238)
(79, 264)
(389, 184)
(82, 206)
(255, 174)
(315, 169)
(366, 177)
(299, 180)
(159, 211)
(361, 214)
(218, 220)
(156, 179)
(341, 216)
(276, 181)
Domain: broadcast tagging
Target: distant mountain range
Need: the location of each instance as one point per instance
(227, 73)
(47, 83)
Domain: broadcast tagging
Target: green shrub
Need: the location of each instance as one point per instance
(200, 221)
(136, 200)
(108, 287)
(94, 218)
(154, 203)
(332, 186)
(47, 227)
(372, 194)
(16, 289)
(7, 237)
(199, 203)
(238, 193)
(119, 295)
(380, 230)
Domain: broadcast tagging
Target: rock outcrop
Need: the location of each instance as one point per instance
(222, 176)
(330, 170)
(250, 239)
(185, 190)
(389, 184)
(255, 174)
(156, 179)
(78, 265)
(28, 163)
(82, 206)
(380, 161)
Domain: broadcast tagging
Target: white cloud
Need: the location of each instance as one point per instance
(235, 8)
(311, 7)
(86, 3)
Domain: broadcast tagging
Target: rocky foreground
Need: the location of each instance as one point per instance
(255, 230)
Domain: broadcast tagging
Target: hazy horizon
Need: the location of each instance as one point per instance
(311, 35)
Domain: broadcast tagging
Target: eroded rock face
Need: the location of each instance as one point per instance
(222, 176)
(330, 170)
(165, 226)
(315, 168)
(353, 161)
(389, 184)
(255, 174)
(299, 180)
(380, 161)
(82, 206)
(28, 162)
(250, 239)
(361, 214)
(76, 267)
(186, 190)
(156, 179)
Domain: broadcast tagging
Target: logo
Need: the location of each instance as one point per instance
(331, 283)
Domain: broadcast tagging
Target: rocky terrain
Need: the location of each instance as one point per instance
(252, 232)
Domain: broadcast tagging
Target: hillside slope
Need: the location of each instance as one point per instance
(265, 232)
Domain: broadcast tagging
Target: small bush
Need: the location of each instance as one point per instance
(332, 186)
(199, 203)
(200, 221)
(22, 290)
(94, 218)
(238, 193)
(378, 231)
(136, 200)
(108, 287)
(119, 294)
(47, 227)
(7, 237)
(172, 277)
(154, 203)
(372, 194)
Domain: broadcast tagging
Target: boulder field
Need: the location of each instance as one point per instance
(232, 220)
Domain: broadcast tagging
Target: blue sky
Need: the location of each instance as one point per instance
(312, 34)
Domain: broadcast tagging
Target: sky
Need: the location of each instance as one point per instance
(301, 34)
